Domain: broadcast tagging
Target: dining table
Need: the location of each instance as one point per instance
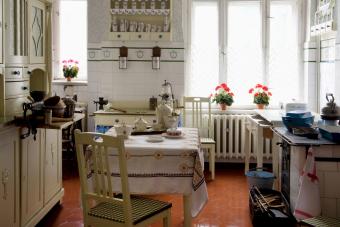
(165, 165)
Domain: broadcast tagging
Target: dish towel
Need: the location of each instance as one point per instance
(308, 201)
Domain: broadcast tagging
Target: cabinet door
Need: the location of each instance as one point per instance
(37, 28)
(52, 173)
(9, 178)
(1, 23)
(16, 31)
(31, 175)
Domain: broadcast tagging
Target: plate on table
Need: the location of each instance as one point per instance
(173, 136)
(154, 139)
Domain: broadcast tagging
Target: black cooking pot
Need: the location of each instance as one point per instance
(38, 96)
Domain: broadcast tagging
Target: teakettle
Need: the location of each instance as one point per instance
(140, 124)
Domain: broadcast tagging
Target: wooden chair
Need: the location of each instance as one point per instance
(196, 106)
(102, 207)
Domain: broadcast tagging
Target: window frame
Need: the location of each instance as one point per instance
(265, 41)
(83, 73)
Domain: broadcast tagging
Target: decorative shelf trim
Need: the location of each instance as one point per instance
(146, 12)
(70, 83)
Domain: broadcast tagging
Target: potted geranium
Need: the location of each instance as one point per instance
(261, 95)
(223, 96)
(70, 69)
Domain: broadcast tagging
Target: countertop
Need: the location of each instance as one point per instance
(300, 140)
(12, 120)
(128, 112)
(274, 117)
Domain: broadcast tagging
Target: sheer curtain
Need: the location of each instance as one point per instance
(73, 34)
(204, 55)
(244, 48)
(284, 62)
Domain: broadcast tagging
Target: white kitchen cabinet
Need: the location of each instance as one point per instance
(1, 33)
(16, 30)
(32, 163)
(107, 119)
(9, 177)
(37, 31)
(52, 173)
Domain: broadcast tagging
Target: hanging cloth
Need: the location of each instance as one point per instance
(308, 201)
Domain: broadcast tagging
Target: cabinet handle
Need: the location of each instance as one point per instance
(52, 153)
(24, 88)
(160, 36)
(29, 72)
(5, 178)
(118, 36)
(16, 72)
(140, 36)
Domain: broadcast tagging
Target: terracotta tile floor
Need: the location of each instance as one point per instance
(227, 205)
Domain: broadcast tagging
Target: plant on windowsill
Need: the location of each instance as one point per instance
(70, 69)
(223, 96)
(261, 95)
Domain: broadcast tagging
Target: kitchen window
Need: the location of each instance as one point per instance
(73, 35)
(244, 43)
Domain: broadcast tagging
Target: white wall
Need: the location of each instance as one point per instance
(137, 83)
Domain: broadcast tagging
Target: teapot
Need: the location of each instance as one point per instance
(163, 111)
(140, 124)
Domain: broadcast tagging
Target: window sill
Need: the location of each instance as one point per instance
(70, 83)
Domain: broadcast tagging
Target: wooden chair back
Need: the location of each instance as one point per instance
(101, 170)
(194, 109)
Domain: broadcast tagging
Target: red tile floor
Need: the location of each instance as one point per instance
(227, 205)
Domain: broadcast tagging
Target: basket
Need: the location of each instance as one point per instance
(260, 178)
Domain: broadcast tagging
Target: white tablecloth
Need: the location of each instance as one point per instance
(173, 166)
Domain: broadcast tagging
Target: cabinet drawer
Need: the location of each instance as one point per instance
(161, 36)
(13, 89)
(139, 36)
(119, 36)
(26, 73)
(14, 106)
(13, 73)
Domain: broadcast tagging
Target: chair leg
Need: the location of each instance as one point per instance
(167, 219)
(212, 161)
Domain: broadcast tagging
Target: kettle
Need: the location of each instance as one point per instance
(141, 124)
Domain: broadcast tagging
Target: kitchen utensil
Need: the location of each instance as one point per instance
(152, 103)
(330, 114)
(58, 110)
(38, 95)
(70, 107)
(52, 101)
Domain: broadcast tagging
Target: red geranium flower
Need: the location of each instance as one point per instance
(261, 94)
(218, 87)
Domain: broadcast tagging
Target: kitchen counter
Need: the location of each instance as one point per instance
(13, 120)
(128, 112)
(300, 140)
(6, 121)
(274, 117)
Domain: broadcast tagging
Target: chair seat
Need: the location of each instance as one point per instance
(207, 141)
(142, 209)
(321, 221)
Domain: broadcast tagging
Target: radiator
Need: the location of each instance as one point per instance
(229, 134)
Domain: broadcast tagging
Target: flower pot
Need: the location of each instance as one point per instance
(68, 78)
(260, 106)
(223, 106)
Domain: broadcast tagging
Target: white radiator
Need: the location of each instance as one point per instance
(229, 134)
